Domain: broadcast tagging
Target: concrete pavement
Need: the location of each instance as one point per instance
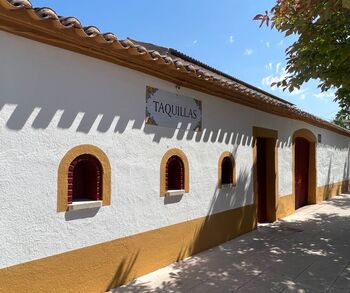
(305, 252)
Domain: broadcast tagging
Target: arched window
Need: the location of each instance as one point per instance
(226, 170)
(175, 174)
(85, 179)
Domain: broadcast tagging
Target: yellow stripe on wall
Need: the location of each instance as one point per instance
(331, 190)
(101, 267)
(286, 204)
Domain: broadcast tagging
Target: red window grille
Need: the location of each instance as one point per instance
(175, 174)
(227, 171)
(85, 179)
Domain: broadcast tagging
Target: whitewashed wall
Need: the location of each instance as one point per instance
(52, 100)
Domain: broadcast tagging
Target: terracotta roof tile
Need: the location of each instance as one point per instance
(92, 31)
(21, 3)
(174, 61)
(110, 37)
(46, 13)
(70, 21)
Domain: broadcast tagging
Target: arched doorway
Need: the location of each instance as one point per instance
(302, 153)
(304, 173)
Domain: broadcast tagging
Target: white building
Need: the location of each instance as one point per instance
(118, 157)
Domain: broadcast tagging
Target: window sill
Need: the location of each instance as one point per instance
(227, 186)
(175, 192)
(82, 205)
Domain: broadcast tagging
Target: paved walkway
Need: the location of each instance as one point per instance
(306, 252)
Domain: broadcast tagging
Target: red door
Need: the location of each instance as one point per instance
(302, 151)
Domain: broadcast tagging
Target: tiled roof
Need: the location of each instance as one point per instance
(45, 25)
(177, 55)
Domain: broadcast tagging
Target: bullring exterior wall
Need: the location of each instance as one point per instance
(52, 100)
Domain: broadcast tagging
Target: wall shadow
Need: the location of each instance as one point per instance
(332, 189)
(284, 249)
(105, 116)
(124, 271)
(81, 214)
(227, 218)
(71, 99)
(172, 199)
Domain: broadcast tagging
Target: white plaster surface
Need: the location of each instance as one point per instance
(52, 100)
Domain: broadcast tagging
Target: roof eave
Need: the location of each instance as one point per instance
(25, 21)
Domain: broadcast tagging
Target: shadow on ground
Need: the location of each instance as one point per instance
(306, 252)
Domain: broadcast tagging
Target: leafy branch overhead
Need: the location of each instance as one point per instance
(322, 48)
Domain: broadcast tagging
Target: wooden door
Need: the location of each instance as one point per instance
(302, 154)
(261, 180)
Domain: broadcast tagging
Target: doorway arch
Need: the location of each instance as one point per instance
(304, 168)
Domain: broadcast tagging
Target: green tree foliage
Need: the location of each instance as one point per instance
(342, 123)
(322, 49)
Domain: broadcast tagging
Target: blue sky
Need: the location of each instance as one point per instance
(219, 33)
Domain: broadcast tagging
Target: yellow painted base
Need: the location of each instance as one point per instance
(104, 266)
(331, 190)
(101, 267)
(286, 204)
